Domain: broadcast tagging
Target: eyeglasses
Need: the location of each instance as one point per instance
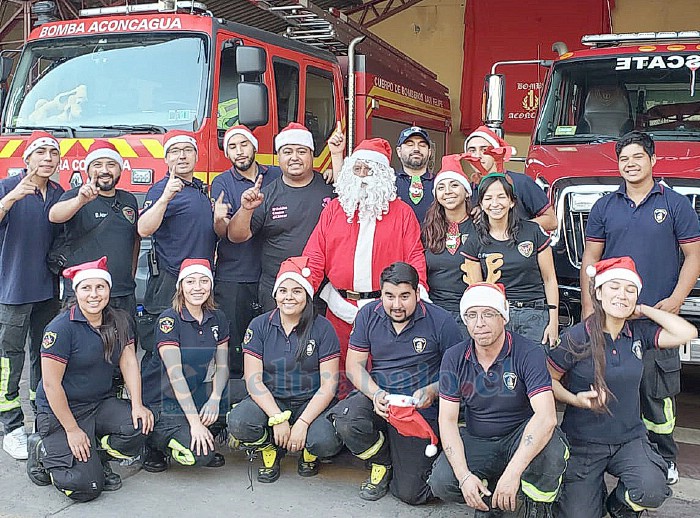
(187, 151)
(486, 315)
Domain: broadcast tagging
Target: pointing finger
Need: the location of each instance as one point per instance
(220, 199)
(338, 127)
(258, 182)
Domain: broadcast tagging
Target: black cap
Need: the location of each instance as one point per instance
(409, 132)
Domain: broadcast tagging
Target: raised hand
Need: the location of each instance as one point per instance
(252, 198)
(336, 142)
(25, 187)
(88, 191)
(221, 209)
(174, 186)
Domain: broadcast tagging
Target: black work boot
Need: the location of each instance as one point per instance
(491, 513)
(35, 469)
(308, 464)
(619, 509)
(216, 461)
(112, 480)
(377, 485)
(537, 509)
(271, 456)
(155, 461)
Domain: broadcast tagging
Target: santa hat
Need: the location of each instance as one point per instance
(240, 130)
(103, 149)
(295, 268)
(92, 270)
(615, 268)
(39, 139)
(493, 139)
(190, 266)
(296, 134)
(452, 170)
(178, 137)
(484, 294)
(374, 149)
(410, 423)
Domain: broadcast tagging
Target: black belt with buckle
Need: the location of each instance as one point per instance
(534, 304)
(360, 295)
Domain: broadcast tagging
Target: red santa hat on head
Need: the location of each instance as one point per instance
(452, 170)
(39, 139)
(103, 149)
(92, 270)
(295, 268)
(240, 130)
(615, 268)
(374, 149)
(295, 134)
(178, 137)
(410, 423)
(484, 294)
(190, 266)
(493, 139)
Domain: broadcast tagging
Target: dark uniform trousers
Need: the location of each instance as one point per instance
(640, 469)
(372, 438)
(247, 423)
(661, 382)
(160, 291)
(17, 321)
(239, 302)
(488, 457)
(109, 426)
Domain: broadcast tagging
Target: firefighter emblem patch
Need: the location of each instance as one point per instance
(129, 214)
(637, 349)
(526, 248)
(248, 336)
(166, 324)
(419, 344)
(660, 215)
(310, 347)
(510, 380)
(215, 332)
(48, 340)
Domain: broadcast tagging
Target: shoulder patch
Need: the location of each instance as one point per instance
(248, 336)
(166, 324)
(130, 214)
(49, 339)
(526, 248)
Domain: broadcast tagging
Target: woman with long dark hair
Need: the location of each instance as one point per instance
(602, 360)
(290, 364)
(80, 424)
(516, 253)
(445, 231)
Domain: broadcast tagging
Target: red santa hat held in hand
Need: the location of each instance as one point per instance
(452, 170)
(103, 149)
(178, 137)
(91, 270)
(295, 268)
(294, 134)
(374, 149)
(614, 268)
(493, 139)
(240, 129)
(484, 294)
(410, 423)
(39, 139)
(190, 266)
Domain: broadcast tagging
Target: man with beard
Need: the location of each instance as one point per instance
(414, 184)
(364, 230)
(237, 264)
(100, 220)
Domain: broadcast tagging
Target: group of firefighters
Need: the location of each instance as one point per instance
(366, 308)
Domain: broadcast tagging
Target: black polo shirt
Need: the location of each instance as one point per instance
(187, 230)
(115, 237)
(520, 272)
(238, 262)
(496, 401)
(266, 340)
(531, 200)
(69, 339)
(26, 236)
(197, 343)
(403, 363)
(405, 184)
(623, 375)
(663, 220)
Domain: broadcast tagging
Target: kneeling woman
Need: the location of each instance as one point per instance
(602, 360)
(290, 365)
(80, 425)
(188, 337)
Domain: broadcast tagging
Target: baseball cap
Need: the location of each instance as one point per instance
(413, 130)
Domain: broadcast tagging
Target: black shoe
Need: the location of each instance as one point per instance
(308, 464)
(377, 485)
(155, 461)
(217, 461)
(35, 470)
(112, 480)
(537, 509)
(619, 509)
(270, 471)
(491, 513)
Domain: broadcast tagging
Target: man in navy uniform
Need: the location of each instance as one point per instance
(414, 183)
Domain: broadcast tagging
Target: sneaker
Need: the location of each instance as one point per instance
(216, 461)
(308, 464)
(15, 444)
(672, 476)
(112, 480)
(154, 461)
(377, 485)
(35, 469)
(270, 471)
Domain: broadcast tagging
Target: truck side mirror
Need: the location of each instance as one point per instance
(5, 68)
(253, 108)
(251, 60)
(493, 103)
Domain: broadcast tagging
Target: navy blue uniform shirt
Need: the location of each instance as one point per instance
(26, 236)
(664, 220)
(238, 262)
(187, 230)
(623, 374)
(498, 401)
(266, 340)
(69, 339)
(403, 363)
(531, 200)
(403, 191)
(197, 343)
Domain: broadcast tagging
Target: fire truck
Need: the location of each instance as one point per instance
(616, 83)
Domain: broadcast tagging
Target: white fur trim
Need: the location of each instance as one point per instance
(590, 270)
(484, 296)
(194, 268)
(430, 450)
(489, 139)
(92, 273)
(340, 307)
(423, 294)
(179, 139)
(368, 154)
(618, 274)
(239, 131)
(40, 142)
(104, 153)
(297, 137)
(295, 277)
(452, 175)
(362, 263)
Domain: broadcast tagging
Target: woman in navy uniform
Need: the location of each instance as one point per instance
(80, 424)
(602, 360)
(290, 365)
(189, 414)
(516, 253)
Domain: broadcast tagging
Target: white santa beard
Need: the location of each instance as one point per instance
(369, 196)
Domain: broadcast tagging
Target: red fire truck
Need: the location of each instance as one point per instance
(618, 82)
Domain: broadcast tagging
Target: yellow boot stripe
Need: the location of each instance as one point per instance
(269, 455)
(372, 450)
(308, 457)
(181, 454)
(259, 442)
(665, 428)
(104, 442)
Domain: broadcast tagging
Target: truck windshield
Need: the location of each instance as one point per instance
(149, 83)
(593, 100)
